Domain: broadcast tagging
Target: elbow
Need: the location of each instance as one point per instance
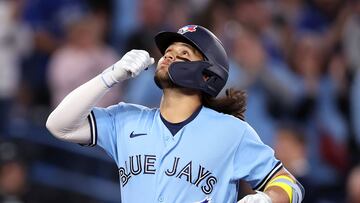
(53, 127)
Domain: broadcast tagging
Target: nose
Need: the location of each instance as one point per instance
(169, 56)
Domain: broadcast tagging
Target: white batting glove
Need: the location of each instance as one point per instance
(259, 197)
(130, 65)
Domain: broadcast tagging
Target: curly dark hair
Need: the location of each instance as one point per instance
(233, 103)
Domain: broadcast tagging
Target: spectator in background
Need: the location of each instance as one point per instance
(151, 19)
(14, 187)
(267, 28)
(291, 148)
(288, 10)
(319, 15)
(83, 55)
(47, 20)
(333, 113)
(351, 36)
(355, 111)
(244, 11)
(13, 183)
(142, 89)
(178, 14)
(307, 61)
(263, 80)
(217, 17)
(15, 44)
(320, 73)
(353, 185)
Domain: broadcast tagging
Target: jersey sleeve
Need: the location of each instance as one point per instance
(103, 130)
(254, 161)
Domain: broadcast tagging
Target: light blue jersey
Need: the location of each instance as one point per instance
(201, 163)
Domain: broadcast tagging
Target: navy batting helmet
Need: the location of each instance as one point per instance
(191, 74)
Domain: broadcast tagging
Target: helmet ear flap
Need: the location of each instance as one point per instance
(189, 74)
(213, 83)
(207, 75)
(196, 75)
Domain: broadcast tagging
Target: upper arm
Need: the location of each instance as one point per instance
(283, 171)
(80, 135)
(103, 130)
(107, 126)
(254, 161)
(284, 187)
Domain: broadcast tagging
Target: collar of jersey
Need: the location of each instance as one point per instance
(176, 127)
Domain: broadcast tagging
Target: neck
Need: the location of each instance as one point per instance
(177, 105)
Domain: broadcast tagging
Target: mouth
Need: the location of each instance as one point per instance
(165, 63)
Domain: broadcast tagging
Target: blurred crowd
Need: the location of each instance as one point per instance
(298, 60)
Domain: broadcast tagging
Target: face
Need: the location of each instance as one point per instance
(178, 51)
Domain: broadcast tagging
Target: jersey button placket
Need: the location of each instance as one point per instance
(169, 141)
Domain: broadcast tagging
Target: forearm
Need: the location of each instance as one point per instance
(69, 120)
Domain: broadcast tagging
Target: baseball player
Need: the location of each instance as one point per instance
(195, 147)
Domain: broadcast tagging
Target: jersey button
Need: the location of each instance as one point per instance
(161, 199)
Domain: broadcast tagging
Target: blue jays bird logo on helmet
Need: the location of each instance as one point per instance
(188, 28)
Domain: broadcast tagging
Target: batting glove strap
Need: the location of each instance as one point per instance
(109, 79)
(259, 197)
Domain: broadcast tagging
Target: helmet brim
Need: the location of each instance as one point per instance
(164, 39)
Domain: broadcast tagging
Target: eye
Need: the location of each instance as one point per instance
(186, 53)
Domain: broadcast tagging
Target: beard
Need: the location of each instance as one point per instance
(162, 80)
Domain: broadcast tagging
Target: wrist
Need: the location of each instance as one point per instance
(259, 197)
(110, 79)
(265, 197)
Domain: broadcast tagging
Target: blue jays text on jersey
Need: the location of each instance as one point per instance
(203, 160)
(146, 165)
